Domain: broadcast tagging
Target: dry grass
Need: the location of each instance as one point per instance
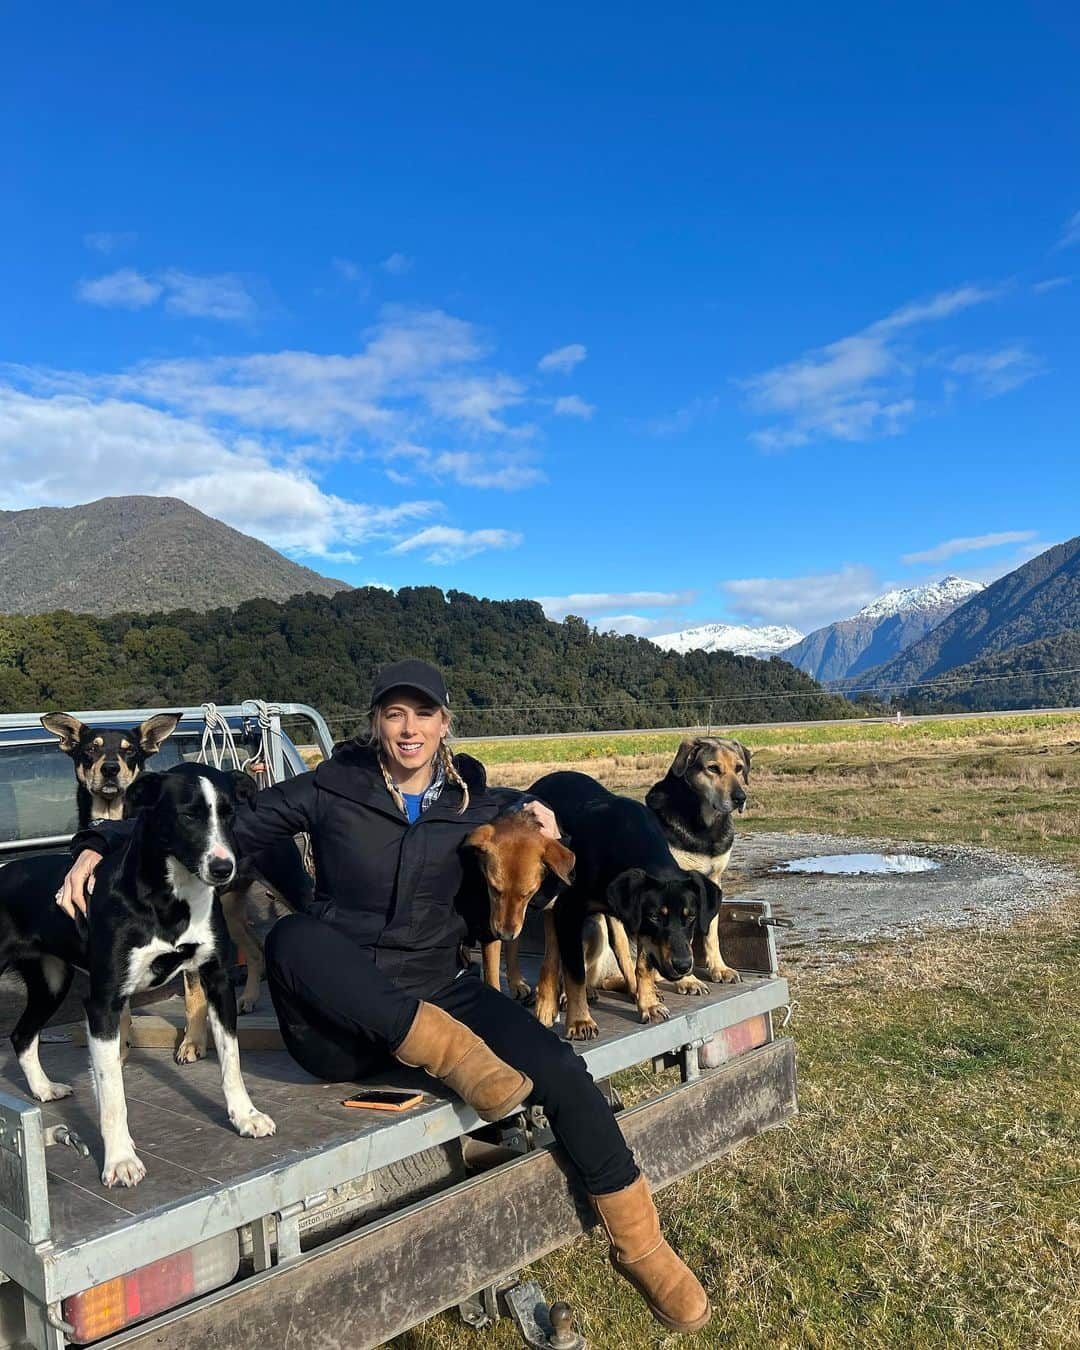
(928, 1193)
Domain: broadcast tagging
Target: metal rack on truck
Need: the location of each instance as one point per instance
(347, 1226)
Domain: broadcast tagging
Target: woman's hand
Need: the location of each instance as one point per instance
(78, 884)
(545, 816)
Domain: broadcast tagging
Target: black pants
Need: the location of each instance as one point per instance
(341, 1017)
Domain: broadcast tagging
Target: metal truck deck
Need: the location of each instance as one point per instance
(204, 1179)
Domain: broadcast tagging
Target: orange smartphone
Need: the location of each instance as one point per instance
(385, 1099)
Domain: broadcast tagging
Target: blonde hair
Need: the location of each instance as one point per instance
(444, 755)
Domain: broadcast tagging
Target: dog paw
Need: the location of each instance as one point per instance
(522, 992)
(546, 1012)
(247, 1005)
(52, 1092)
(592, 995)
(724, 975)
(125, 1171)
(255, 1125)
(189, 1051)
(584, 1029)
(656, 1013)
(690, 986)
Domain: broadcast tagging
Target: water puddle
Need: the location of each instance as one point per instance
(860, 864)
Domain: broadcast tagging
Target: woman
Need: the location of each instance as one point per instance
(373, 968)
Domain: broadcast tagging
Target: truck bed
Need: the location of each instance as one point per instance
(203, 1179)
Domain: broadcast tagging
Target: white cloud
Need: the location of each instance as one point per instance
(572, 406)
(60, 450)
(109, 241)
(414, 365)
(249, 438)
(563, 359)
(998, 372)
(125, 289)
(805, 602)
(1070, 234)
(628, 625)
(860, 386)
(1051, 284)
(950, 548)
(585, 603)
(224, 297)
(509, 470)
(682, 419)
(397, 264)
(448, 544)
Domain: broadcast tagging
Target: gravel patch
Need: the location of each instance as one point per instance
(972, 888)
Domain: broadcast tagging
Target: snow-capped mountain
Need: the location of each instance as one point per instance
(950, 590)
(726, 637)
(881, 630)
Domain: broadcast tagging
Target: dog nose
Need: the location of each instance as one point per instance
(110, 770)
(683, 966)
(221, 869)
(739, 797)
(506, 934)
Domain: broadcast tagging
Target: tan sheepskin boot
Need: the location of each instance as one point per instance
(639, 1252)
(447, 1049)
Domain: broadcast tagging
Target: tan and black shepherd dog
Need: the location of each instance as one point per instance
(694, 803)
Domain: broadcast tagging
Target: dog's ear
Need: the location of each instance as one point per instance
(481, 838)
(745, 755)
(685, 756)
(144, 791)
(710, 898)
(624, 897)
(244, 785)
(66, 728)
(560, 860)
(156, 729)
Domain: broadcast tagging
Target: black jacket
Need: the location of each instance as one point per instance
(393, 887)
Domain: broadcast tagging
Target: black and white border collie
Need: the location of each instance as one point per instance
(154, 912)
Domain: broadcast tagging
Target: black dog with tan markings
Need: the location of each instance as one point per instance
(624, 871)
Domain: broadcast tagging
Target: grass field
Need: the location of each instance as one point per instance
(928, 1194)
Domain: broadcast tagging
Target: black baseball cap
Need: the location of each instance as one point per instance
(411, 674)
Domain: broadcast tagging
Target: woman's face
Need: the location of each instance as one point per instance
(411, 729)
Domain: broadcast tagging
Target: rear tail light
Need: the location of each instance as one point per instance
(152, 1289)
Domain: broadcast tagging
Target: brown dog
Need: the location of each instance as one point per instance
(518, 861)
(694, 803)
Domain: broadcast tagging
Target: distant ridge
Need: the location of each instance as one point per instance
(140, 554)
(769, 640)
(1039, 600)
(881, 630)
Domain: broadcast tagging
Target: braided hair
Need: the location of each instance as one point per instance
(443, 755)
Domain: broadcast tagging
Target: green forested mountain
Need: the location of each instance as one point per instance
(508, 667)
(1041, 599)
(138, 553)
(1042, 674)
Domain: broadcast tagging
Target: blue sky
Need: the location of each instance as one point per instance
(665, 316)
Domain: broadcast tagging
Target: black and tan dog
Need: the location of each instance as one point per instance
(107, 760)
(694, 803)
(625, 872)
